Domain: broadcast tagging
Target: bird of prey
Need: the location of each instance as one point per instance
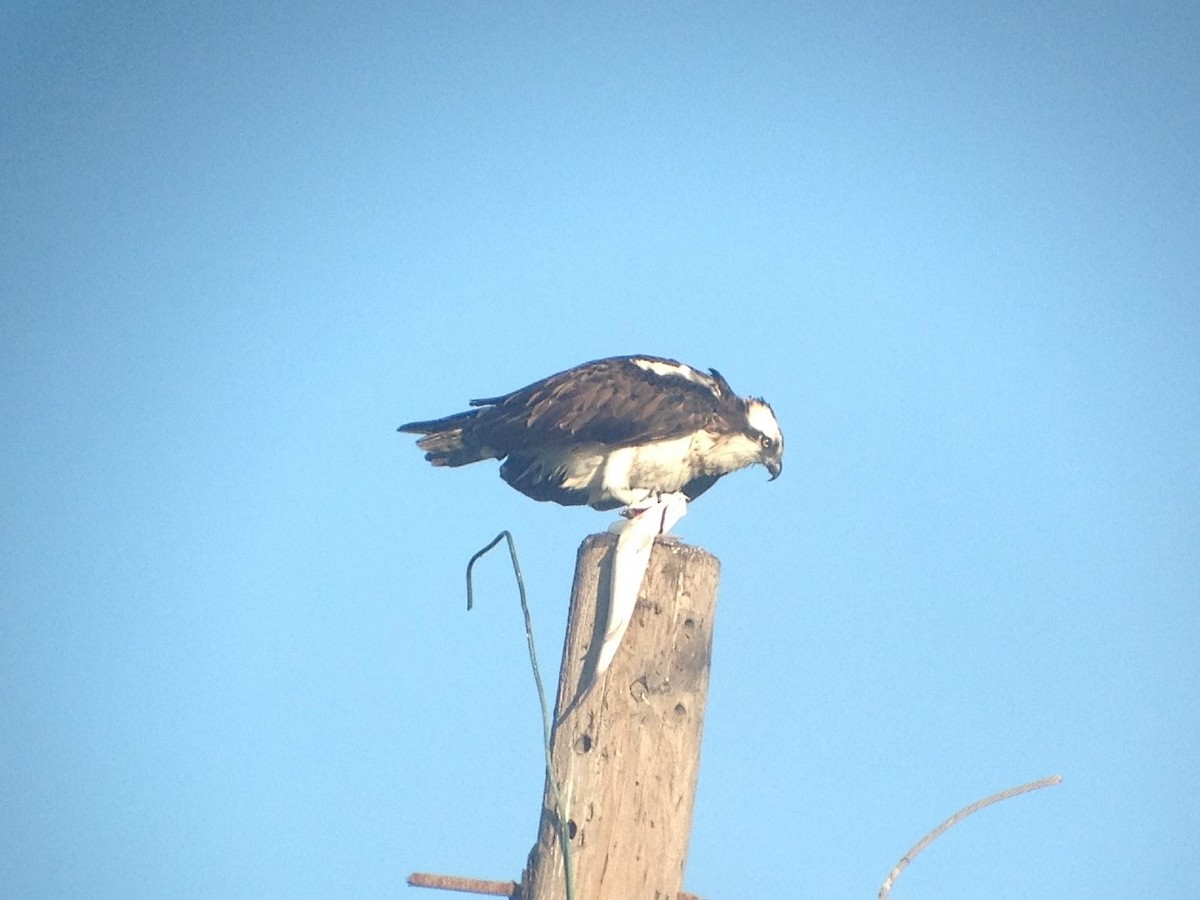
(625, 431)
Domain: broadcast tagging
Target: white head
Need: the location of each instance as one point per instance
(764, 429)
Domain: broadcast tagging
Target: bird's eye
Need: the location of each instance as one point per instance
(766, 442)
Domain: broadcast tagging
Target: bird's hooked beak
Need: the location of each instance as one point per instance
(774, 466)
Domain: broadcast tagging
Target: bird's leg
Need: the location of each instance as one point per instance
(641, 507)
(669, 508)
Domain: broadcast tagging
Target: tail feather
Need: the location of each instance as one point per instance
(445, 443)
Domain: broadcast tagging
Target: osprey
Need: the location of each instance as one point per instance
(623, 431)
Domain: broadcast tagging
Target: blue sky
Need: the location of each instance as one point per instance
(955, 247)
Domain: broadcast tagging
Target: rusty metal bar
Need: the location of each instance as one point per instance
(465, 885)
(480, 886)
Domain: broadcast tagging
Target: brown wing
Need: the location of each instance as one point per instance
(611, 401)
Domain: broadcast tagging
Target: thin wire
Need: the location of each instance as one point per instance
(560, 806)
(954, 820)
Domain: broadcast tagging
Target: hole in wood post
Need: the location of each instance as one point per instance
(571, 829)
(584, 744)
(639, 689)
(680, 710)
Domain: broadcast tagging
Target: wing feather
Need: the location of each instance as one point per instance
(614, 401)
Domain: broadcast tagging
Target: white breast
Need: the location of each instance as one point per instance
(632, 474)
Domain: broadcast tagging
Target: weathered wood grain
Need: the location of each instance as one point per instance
(626, 749)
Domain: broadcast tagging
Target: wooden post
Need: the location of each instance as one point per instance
(626, 749)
